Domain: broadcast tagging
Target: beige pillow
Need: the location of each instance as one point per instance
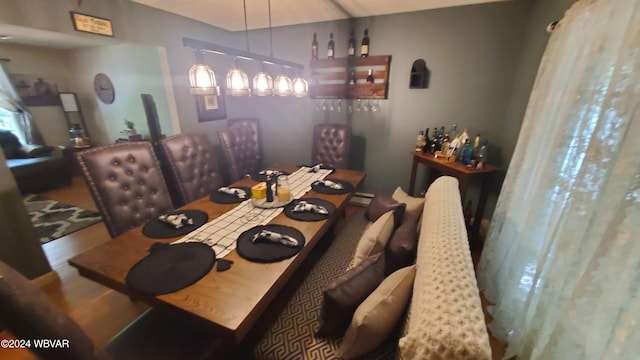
(379, 313)
(374, 239)
(414, 204)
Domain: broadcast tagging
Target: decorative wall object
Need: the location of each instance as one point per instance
(419, 76)
(91, 24)
(35, 91)
(210, 107)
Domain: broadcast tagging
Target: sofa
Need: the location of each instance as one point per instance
(427, 305)
(36, 168)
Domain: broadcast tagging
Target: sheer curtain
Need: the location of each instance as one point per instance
(26, 129)
(562, 258)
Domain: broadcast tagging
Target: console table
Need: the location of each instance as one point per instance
(464, 175)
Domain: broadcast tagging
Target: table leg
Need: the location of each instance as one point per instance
(477, 219)
(412, 180)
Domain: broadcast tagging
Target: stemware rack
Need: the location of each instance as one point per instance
(330, 78)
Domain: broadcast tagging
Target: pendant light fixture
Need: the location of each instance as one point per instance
(262, 82)
(300, 86)
(202, 78)
(283, 84)
(237, 80)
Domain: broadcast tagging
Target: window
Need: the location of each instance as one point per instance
(7, 121)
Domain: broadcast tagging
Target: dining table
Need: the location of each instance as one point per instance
(231, 301)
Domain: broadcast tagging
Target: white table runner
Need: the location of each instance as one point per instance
(222, 232)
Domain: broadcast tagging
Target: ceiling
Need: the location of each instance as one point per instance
(229, 14)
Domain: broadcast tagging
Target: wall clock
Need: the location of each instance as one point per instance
(104, 88)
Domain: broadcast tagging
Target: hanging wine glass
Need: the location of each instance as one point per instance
(358, 105)
(318, 105)
(332, 105)
(324, 105)
(376, 106)
(366, 107)
(350, 106)
(339, 106)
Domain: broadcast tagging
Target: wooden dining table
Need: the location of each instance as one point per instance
(231, 301)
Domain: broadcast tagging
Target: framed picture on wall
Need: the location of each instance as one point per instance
(210, 107)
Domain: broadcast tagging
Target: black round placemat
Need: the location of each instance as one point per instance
(169, 268)
(223, 198)
(327, 190)
(309, 216)
(157, 229)
(256, 176)
(322, 167)
(267, 251)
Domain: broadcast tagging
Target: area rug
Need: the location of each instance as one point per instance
(53, 219)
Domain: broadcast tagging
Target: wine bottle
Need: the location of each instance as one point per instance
(330, 47)
(420, 140)
(370, 77)
(314, 48)
(352, 78)
(351, 49)
(427, 141)
(482, 155)
(364, 49)
(476, 145)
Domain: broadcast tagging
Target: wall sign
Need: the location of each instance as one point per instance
(91, 24)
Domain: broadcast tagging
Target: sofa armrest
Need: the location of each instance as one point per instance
(446, 319)
(33, 151)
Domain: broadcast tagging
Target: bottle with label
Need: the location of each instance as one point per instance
(314, 48)
(364, 48)
(351, 48)
(476, 146)
(330, 47)
(370, 79)
(467, 152)
(434, 141)
(420, 141)
(482, 155)
(454, 131)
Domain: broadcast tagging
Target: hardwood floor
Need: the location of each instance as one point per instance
(102, 312)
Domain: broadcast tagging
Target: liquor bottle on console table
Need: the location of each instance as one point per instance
(351, 48)
(420, 141)
(330, 47)
(467, 152)
(364, 48)
(481, 158)
(314, 48)
(427, 141)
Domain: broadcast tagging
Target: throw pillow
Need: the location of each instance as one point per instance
(375, 238)
(402, 247)
(32, 151)
(377, 316)
(414, 204)
(382, 203)
(341, 298)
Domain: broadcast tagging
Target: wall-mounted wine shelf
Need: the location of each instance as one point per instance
(330, 78)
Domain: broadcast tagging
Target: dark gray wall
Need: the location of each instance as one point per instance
(483, 59)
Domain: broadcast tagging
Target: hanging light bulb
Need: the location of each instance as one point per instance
(283, 85)
(300, 87)
(237, 81)
(262, 83)
(201, 78)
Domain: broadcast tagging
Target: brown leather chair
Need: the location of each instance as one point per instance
(192, 164)
(253, 124)
(331, 144)
(126, 183)
(28, 314)
(240, 151)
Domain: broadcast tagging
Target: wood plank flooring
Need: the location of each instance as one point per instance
(101, 312)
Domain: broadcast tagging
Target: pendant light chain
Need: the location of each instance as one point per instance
(270, 30)
(246, 28)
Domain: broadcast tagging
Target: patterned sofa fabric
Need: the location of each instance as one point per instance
(446, 319)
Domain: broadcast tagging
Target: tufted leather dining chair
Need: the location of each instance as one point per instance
(253, 124)
(192, 165)
(331, 145)
(240, 150)
(126, 183)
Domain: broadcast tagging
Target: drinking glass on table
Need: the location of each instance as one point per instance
(283, 189)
